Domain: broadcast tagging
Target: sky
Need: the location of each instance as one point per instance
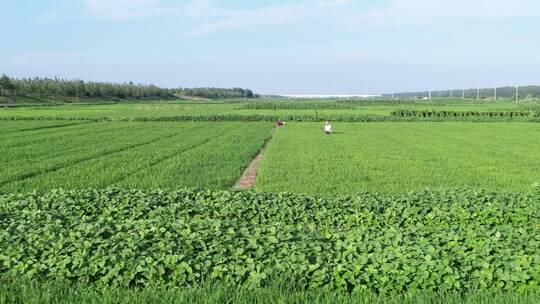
(276, 47)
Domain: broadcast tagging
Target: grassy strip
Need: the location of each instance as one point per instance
(460, 114)
(338, 118)
(294, 118)
(15, 118)
(20, 290)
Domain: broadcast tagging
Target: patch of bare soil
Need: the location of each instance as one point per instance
(247, 181)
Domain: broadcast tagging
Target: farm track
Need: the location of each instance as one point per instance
(249, 177)
(170, 156)
(77, 161)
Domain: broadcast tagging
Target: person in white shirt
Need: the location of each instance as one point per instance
(327, 128)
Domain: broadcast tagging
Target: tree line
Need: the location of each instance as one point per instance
(216, 93)
(484, 93)
(13, 88)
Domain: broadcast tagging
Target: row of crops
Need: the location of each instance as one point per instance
(398, 115)
(128, 154)
(437, 241)
(459, 114)
(346, 103)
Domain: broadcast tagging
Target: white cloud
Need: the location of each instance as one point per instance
(200, 8)
(428, 12)
(334, 2)
(242, 18)
(207, 16)
(127, 9)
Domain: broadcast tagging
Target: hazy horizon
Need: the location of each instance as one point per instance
(318, 47)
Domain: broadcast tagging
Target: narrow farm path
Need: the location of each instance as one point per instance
(247, 181)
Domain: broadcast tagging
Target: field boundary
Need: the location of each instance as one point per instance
(249, 177)
(414, 117)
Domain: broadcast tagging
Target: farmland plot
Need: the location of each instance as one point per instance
(109, 153)
(398, 157)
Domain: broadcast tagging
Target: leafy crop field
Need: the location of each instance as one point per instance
(425, 241)
(128, 154)
(399, 157)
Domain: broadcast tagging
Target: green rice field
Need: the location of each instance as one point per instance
(123, 203)
(401, 157)
(126, 154)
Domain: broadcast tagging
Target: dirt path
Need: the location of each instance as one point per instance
(247, 181)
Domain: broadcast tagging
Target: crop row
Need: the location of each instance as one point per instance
(534, 107)
(26, 118)
(405, 116)
(27, 126)
(400, 115)
(313, 105)
(438, 241)
(339, 104)
(459, 114)
(263, 117)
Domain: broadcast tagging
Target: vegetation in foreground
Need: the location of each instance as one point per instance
(452, 241)
(21, 290)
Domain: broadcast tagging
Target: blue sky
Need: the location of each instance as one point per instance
(284, 47)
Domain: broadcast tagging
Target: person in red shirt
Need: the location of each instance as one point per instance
(280, 123)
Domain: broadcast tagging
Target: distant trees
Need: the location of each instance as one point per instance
(7, 87)
(215, 93)
(56, 87)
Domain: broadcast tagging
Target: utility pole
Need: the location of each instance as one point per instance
(495, 96)
(463, 96)
(478, 94)
(430, 94)
(517, 93)
(440, 93)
